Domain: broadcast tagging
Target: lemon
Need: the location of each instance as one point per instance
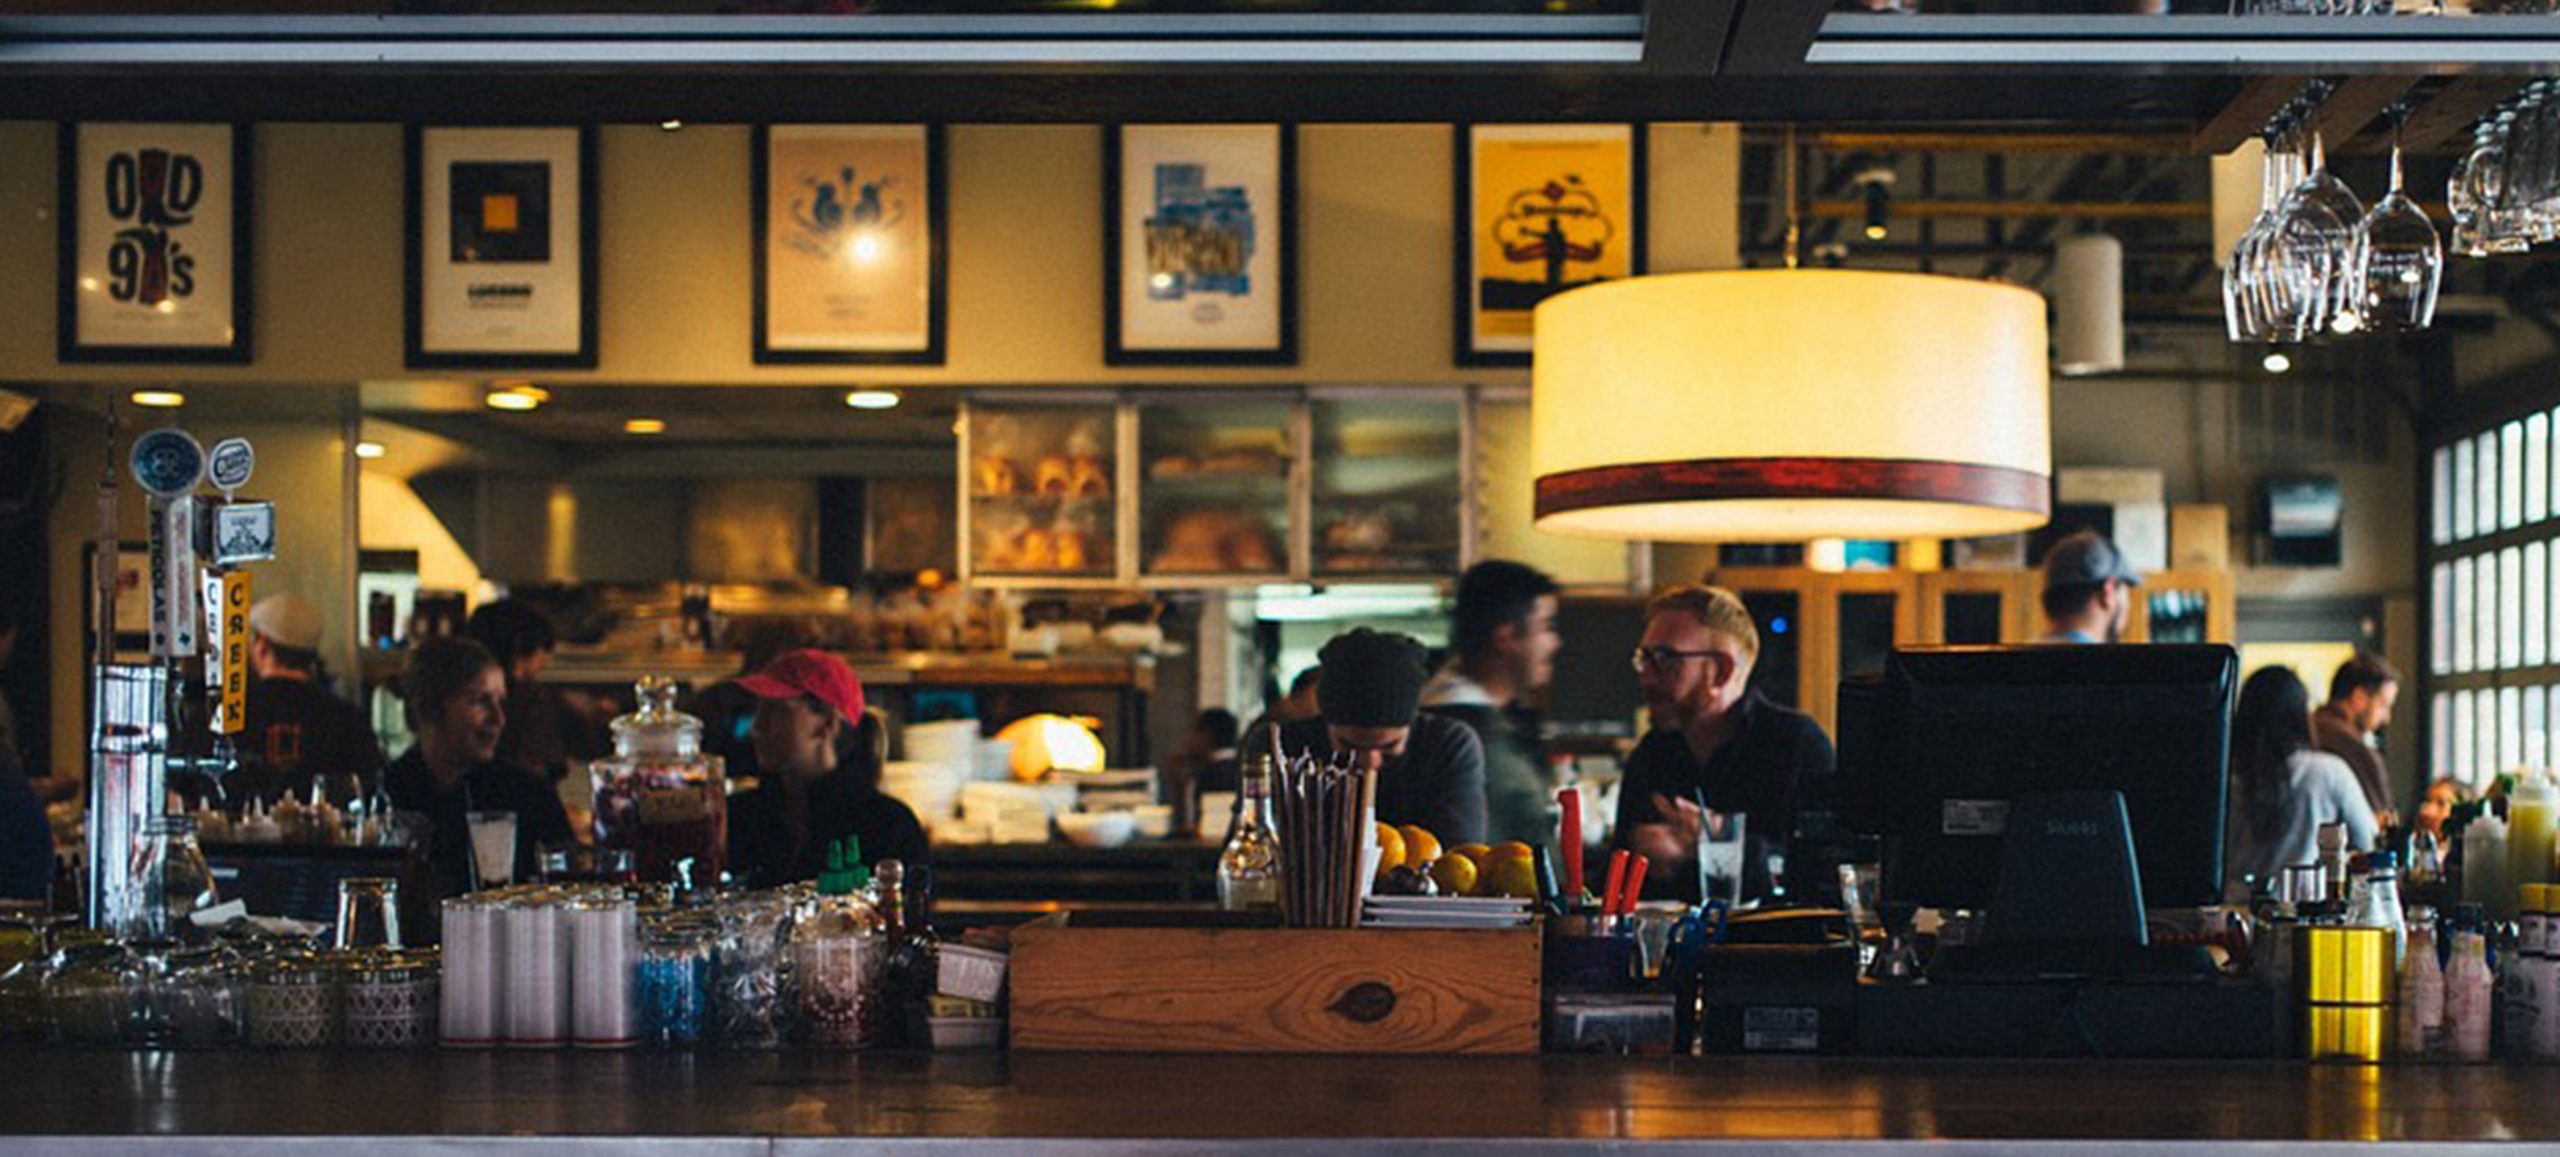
(1420, 846)
(1390, 850)
(1476, 852)
(1509, 849)
(1509, 876)
(1456, 875)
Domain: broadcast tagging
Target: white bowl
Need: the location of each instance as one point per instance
(1098, 829)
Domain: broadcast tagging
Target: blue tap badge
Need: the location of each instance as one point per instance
(232, 462)
(167, 462)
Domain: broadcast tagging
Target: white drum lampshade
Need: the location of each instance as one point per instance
(2088, 305)
(1789, 405)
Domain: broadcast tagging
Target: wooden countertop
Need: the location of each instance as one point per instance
(1097, 1103)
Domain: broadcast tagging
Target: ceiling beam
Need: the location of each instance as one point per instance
(2023, 210)
(2452, 112)
(2246, 115)
(2359, 102)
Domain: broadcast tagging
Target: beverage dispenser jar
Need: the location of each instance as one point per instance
(659, 795)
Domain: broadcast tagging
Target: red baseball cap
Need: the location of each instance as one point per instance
(815, 673)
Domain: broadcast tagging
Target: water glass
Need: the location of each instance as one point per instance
(493, 847)
(368, 913)
(1720, 856)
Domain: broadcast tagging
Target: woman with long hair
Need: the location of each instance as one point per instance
(2282, 787)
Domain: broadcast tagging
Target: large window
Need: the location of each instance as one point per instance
(2493, 621)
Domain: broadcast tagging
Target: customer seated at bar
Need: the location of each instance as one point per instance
(2088, 590)
(521, 639)
(728, 710)
(2282, 787)
(812, 793)
(456, 703)
(1718, 749)
(296, 732)
(2361, 696)
(1430, 768)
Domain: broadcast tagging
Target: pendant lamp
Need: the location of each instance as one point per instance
(1784, 405)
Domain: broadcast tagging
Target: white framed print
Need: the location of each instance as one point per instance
(154, 243)
(1200, 245)
(502, 247)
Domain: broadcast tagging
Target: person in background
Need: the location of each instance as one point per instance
(522, 640)
(1207, 761)
(810, 795)
(1430, 769)
(456, 701)
(1299, 703)
(26, 840)
(728, 710)
(2361, 696)
(1503, 629)
(2442, 797)
(296, 731)
(2282, 787)
(1718, 748)
(2088, 590)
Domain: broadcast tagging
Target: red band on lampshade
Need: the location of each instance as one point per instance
(1889, 479)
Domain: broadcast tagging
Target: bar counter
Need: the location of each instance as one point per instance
(724, 1104)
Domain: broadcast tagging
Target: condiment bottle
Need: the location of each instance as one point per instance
(2484, 868)
(2519, 987)
(2468, 989)
(2422, 989)
(838, 953)
(2532, 810)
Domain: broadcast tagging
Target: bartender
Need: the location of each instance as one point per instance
(1430, 768)
(296, 731)
(456, 702)
(1718, 749)
(812, 793)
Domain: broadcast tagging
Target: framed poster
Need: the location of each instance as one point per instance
(502, 247)
(1200, 245)
(849, 244)
(155, 243)
(1542, 209)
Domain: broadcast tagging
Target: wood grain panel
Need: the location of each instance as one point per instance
(1276, 990)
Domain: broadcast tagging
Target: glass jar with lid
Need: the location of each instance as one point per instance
(660, 796)
(88, 994)
(672, 978)
(196, 999)
(169, 867)
(388, 999)
(293, 1003)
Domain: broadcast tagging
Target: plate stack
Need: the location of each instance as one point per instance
(1445, 912)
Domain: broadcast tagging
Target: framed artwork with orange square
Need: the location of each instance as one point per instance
(1541, 210)
(501, 247)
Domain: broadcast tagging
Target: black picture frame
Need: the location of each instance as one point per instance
(1117, 349)
(1464, 349)
(937, 269)
(414, 207)
(72, 188)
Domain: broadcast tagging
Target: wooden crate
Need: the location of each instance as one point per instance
(1091, 981)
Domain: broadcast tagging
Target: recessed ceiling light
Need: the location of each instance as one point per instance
(671, 124)
(645, 426)
(2276, 362)
(369, 450)
(518, 399)
(158, 399)
(872, 398)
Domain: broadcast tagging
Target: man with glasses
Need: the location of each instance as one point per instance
(1718, 749)
(1430, 769)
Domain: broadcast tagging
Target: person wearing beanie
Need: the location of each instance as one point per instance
(1430, 768)
(810, 794)
(295, 732)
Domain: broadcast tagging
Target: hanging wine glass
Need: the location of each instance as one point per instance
(2465, 212)
(2306, 260)
(2336, 309)
(2244, 310)
(2398, 261)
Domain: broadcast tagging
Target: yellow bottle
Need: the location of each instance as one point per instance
(2532, 812)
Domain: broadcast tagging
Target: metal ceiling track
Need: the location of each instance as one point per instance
(337, 42)
(2212, 44)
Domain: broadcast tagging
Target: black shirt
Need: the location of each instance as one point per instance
(1777, 766)
(26, 840)
(1438, 782)
(488, 787)
(763, 854)
(297, 732)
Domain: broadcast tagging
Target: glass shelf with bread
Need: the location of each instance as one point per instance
(1389, 486)
(1216, 485)
(1043, 490)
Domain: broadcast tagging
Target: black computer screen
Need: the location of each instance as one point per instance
(1934, 752)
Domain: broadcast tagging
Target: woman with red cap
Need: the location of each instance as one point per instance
(811, 796)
